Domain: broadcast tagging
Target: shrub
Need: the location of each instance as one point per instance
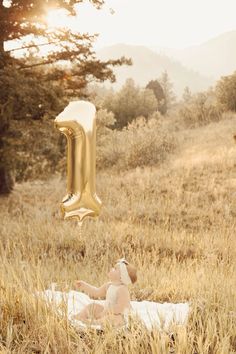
(143, 142)
(200, 110)
(146, 143)
(226, 92)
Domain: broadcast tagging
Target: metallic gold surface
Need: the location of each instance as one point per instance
(78, 123)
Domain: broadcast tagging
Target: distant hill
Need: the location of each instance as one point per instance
(216, 57)
(148, 65)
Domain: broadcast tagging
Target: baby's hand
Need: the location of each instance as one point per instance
(79, 284)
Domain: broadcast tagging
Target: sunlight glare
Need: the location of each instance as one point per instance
(58, 19)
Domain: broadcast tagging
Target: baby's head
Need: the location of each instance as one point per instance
(124, 272)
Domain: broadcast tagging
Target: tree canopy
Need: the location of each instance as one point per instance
(167, 87)
(34, 83)
(130, 102)
(158, 91)
(226, 92)
(21, 19)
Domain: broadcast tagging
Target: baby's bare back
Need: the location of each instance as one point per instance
(117, 299)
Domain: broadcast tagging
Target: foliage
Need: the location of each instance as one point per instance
(27, 95)
(106, 153)
(144, 142)
(199, 109)
(158, 91)
(226, 92)
(147, 143)
(167, 87)
(23, 18)
(25, 91)
(129, 103)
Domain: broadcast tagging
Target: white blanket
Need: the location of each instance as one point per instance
(152, 314)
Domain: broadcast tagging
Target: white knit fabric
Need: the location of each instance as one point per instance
(151, 314)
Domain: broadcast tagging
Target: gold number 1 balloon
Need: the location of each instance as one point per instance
(78, 123)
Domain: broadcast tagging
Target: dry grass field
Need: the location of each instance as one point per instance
(175, 222)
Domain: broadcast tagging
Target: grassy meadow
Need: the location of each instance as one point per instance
(175, 221)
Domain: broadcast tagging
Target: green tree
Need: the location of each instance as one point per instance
(155, 86)
(24, 97)
(226, 92)
(19, 20)
(147, 103)
(125, 103)
(130, 102)
(167, 87)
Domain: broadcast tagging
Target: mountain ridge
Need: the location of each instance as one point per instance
(215, 57)
(148, 65)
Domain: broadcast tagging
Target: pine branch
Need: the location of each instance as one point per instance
(31, 46)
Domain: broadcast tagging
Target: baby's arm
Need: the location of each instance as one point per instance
(91, 290)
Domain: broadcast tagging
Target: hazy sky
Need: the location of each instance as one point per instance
(168, 23)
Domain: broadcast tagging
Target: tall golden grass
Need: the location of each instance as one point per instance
(175, 222)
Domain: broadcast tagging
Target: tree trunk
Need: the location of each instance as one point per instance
(1, 35)
(6, 178)
(6, 181)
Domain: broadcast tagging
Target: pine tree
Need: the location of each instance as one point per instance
(167, 87)
(155, 86)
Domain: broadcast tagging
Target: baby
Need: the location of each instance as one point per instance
(115, 292)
